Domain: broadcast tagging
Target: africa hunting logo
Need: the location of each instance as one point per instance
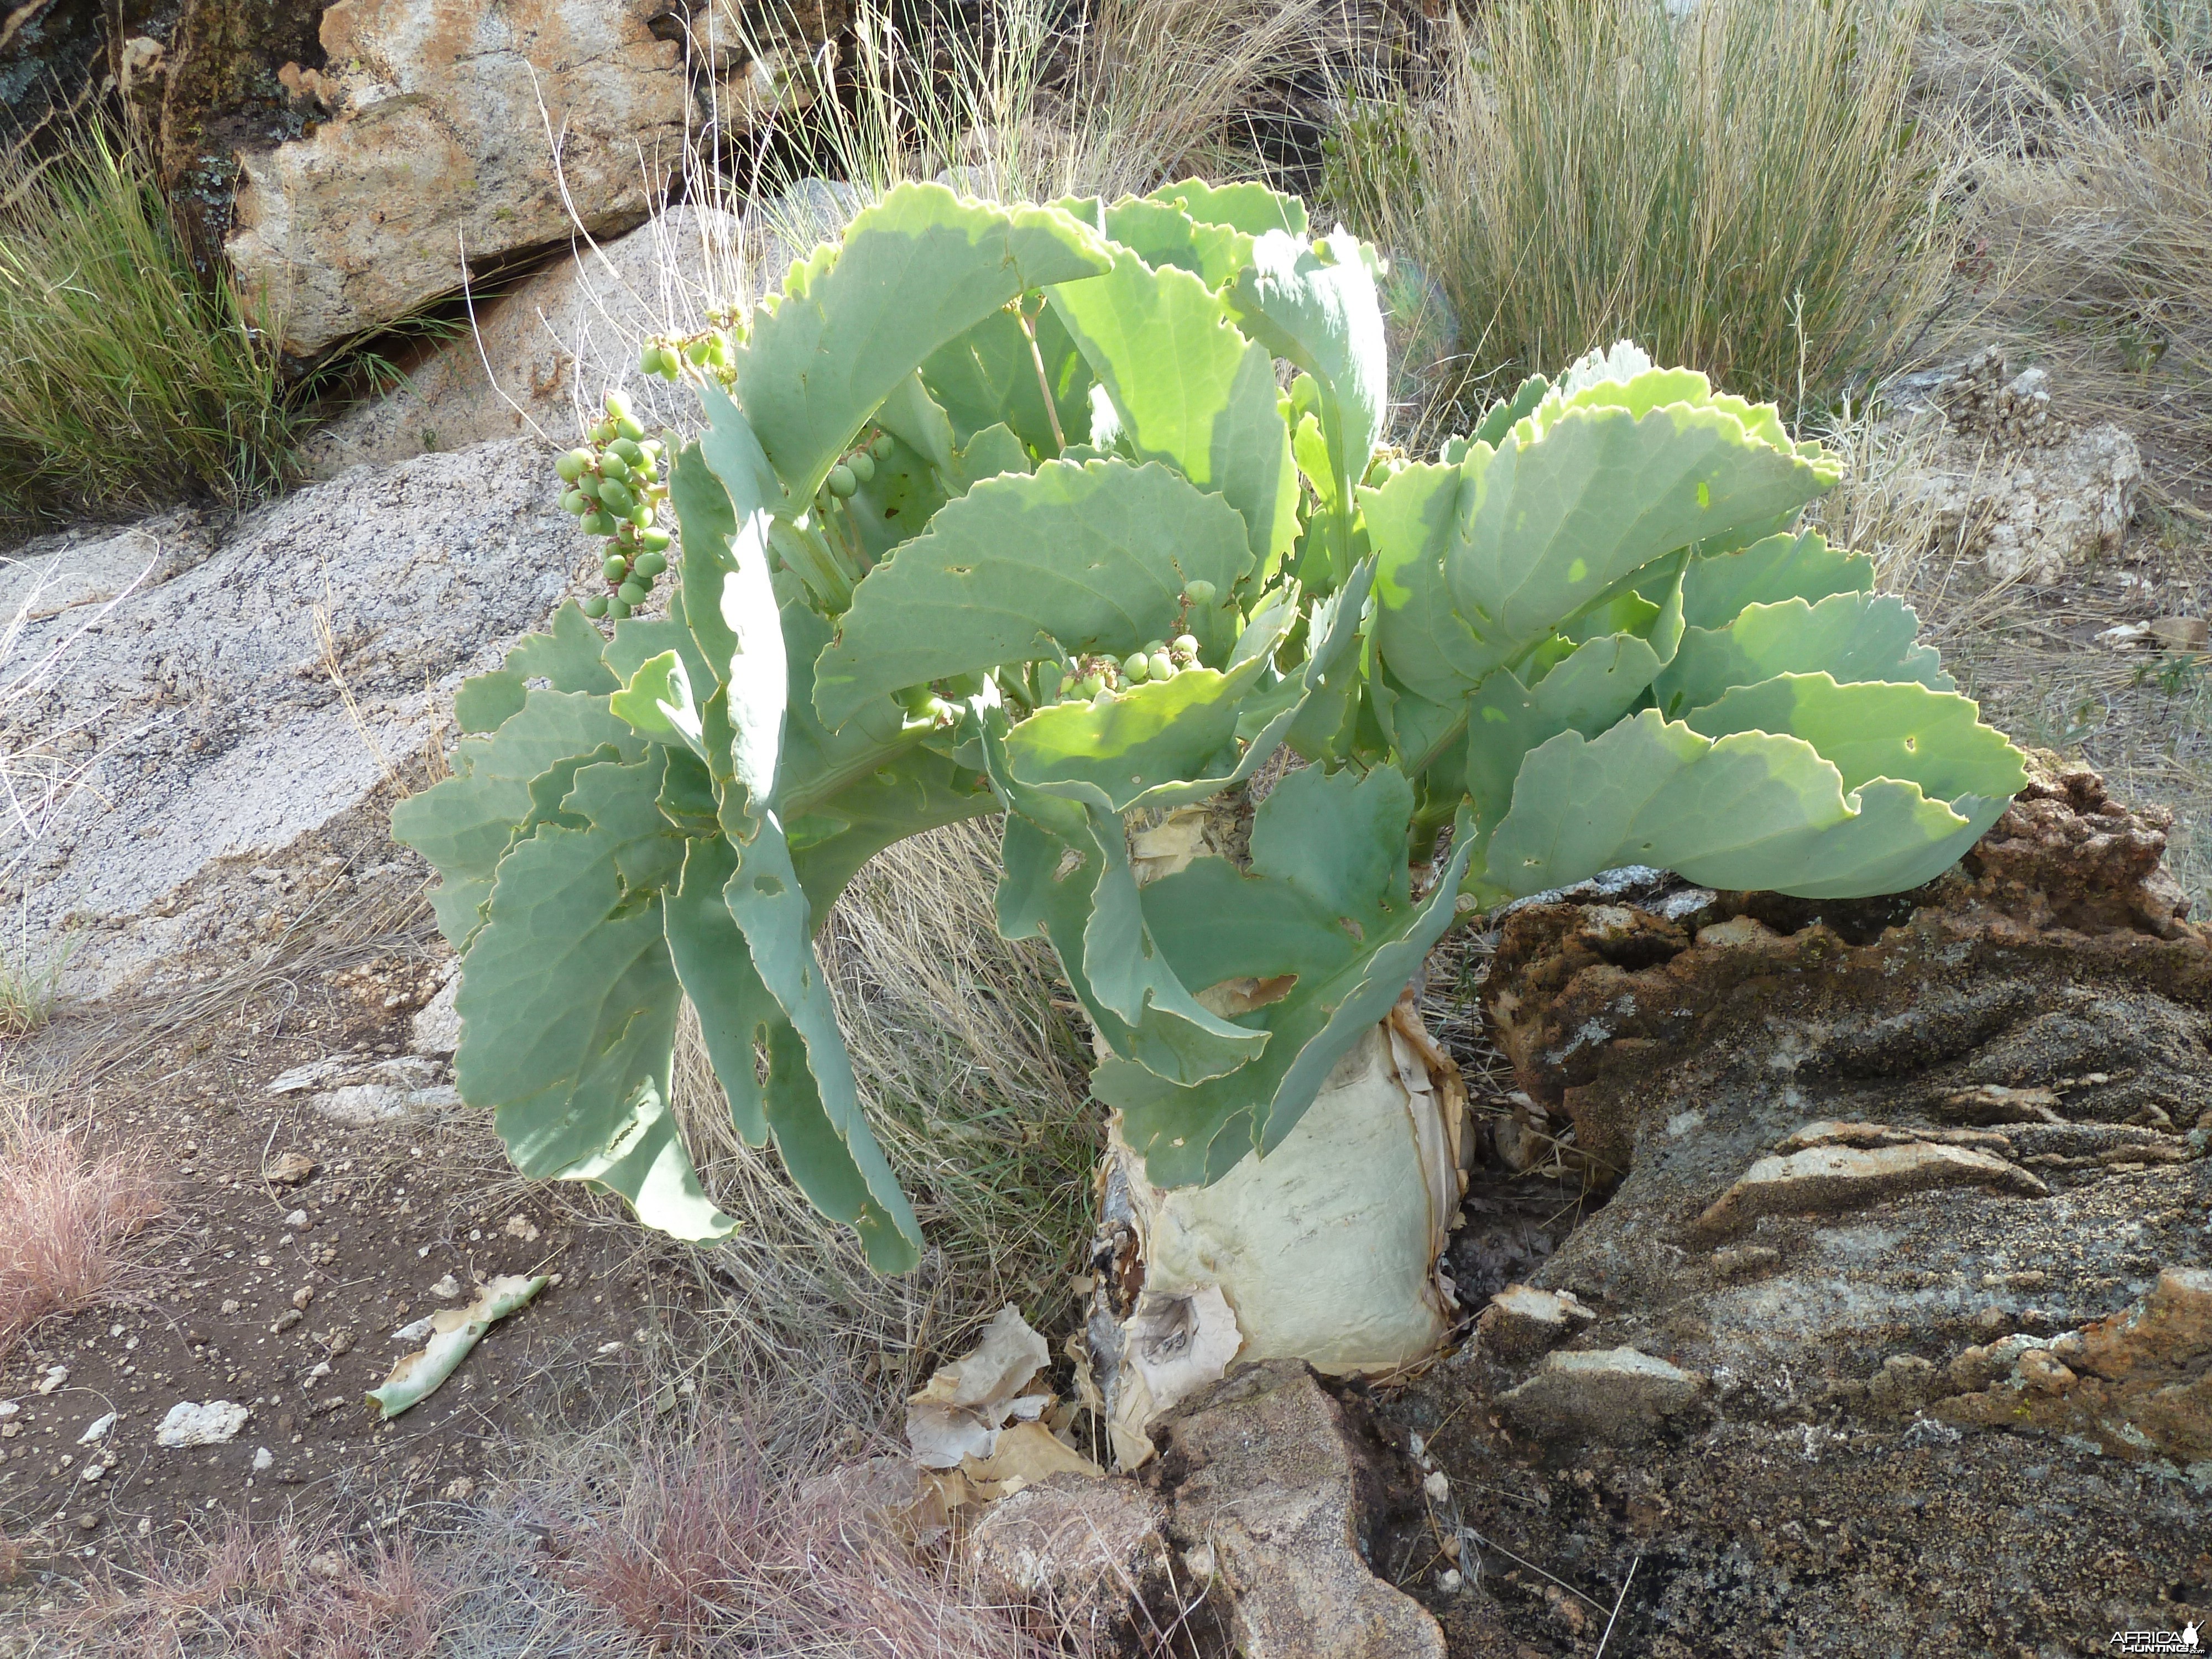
(2156, 1641)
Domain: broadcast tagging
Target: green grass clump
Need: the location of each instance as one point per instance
(1739, 190)
(128, 381)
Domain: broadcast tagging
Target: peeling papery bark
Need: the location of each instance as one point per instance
(1326, 1250)
(453, 1331)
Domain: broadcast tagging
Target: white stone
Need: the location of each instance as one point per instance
(98, 1431)
(436, 1027)
(263, 1460)
(189, 1423)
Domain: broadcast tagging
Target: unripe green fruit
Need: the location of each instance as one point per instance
(863, 465)
(615, 496)
(652, 539)
(840, 481)
(574, 465)
(631, 453)
(575, 501)
(598, 524)
(618, 406)
(1136, 667)
(612, 466)
(1090, 686)
(615, 566)
(696, 351)
(1163, 666)
(881, 448)
(651, 564)
(915, 698)
(601, 432)
(595, 607)
(632, 593)
(718, 352)
(617, 609)
(626, 427)
(1200, 592)
(648, 359)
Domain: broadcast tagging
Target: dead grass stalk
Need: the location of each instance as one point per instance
(68, 1215)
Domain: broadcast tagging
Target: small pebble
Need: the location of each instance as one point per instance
(55, 1376)
(298, 1218)
(446, 1288)
(97, 1431)
(303, 1296)
(89, 1520)
(1438, 1487)
(263, 1460)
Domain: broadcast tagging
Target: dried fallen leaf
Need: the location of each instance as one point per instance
(961, 1411)
(453, 1331)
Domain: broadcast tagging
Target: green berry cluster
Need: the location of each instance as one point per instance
(1095, 679)
(856, 469)
(708, 351)
(617, 486)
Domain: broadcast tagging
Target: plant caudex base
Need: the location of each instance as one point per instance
(1000, 510)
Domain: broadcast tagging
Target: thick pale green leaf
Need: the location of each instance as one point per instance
(1150, 735)
(814, 1110)
(1877, 730)
(994, 451)
(914, 417)
(745, 634)
(464, 825)
(657, 703)
(715, 968)
(915, 790)
(1250, 207)
(1073, 558)
(1325, 902)
(1580, 499)
(914, 272)
(569, 1002)
(1651, 792)
(1799, 567)
(1097, 923)
(1161, 233)
(1848, 636)
(1757, 807)
(1190, 390)
(1317, 306)
(567, 658)
(1411, 521)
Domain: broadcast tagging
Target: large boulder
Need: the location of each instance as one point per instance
(545, 355)
(1894, 1260)
(452, 138)
(203, 763)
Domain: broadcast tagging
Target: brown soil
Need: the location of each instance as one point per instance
(251, 1287)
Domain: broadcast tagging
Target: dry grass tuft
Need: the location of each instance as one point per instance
(1739, 190)
(2100, 240)
(1042, 102)
(67, 1215)
(702, 1555)
(266, 1592)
